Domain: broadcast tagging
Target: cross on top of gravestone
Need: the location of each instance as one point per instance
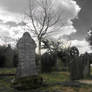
(74, 51)
(26, 54)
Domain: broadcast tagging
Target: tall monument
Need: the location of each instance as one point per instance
(26, 55)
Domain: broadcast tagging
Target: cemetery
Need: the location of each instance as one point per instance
(26, 77)
(45, 46)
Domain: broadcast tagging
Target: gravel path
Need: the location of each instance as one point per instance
(86, 81)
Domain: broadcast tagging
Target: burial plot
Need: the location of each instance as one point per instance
(26, 54)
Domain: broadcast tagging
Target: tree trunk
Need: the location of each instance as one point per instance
(39, 52)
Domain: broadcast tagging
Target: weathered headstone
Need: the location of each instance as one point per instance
(26, 55)
(74, 68)
(86, 65)
(9, 57)
(75, 64)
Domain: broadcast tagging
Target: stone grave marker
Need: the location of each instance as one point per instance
(86, 64)
(26, 55)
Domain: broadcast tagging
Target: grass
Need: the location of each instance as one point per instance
(7, 70)
(56, 77)
(5, 83)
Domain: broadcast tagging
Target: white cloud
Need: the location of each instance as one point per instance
(7, 16)
(66, 30)
(83, 45)
(68, 9)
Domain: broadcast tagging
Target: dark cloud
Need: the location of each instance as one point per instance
(85, 19)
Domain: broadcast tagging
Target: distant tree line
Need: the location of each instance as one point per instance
(8, 57)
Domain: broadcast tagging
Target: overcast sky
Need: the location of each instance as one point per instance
(12, 10)
(85, 19)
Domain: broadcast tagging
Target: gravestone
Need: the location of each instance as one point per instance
(9, 57)
(26, 55)
(86, 65)
(75, 68)
(75, 64)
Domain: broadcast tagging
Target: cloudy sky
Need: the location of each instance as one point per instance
(77, 17)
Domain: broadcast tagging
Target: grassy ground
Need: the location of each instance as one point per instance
(61, 77)
(55, 77)
(7, 70)
(5, 83)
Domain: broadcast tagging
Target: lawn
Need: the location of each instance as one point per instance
(50, 78)
(7, 70)
(55, 77)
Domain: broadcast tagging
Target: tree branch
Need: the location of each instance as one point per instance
(56, 21)
(44, 32)
(44, 20)
(30, 15)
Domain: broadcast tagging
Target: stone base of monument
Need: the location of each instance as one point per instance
(27, 83)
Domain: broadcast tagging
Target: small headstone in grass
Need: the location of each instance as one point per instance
(26, 55)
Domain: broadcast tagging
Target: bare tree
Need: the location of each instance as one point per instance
(43, 16)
